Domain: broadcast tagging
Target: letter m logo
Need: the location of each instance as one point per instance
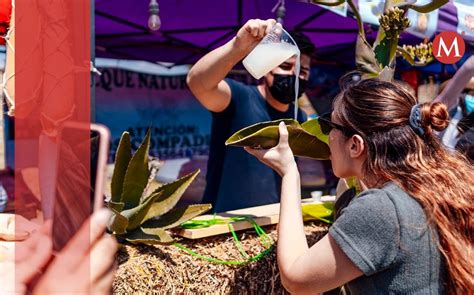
(448, 47)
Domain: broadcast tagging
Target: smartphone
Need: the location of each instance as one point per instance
(81, 170)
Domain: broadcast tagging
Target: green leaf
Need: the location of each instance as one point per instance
(177, 216)
(243, 134)
(266, 135)
(313, 128)
(136, 177)
(428, 7)
(169, 195)
(149, 237)
(382, 52)
(365, 58)
(118, 223)
(328, 2)
(137, 214)
(116, 206)
(323, 212)
(122, 159)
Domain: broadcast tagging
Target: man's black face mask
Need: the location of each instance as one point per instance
(283, 88)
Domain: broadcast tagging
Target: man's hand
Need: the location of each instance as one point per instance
(252, 32)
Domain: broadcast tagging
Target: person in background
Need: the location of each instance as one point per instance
(410, 232)
(234, 178)
(458, 94)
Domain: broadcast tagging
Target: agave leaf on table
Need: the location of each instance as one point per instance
(122, 158)
(169, 195)
(266, 135)
(177, 216)
(118, 223)
(136, 215)
(134, 208)
(149, 236)
(136, 176)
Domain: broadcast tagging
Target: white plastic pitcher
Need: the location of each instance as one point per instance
(276, 47)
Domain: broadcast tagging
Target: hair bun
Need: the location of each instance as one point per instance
(435, 116)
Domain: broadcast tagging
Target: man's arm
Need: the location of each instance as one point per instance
(453, 90)
(206, 77)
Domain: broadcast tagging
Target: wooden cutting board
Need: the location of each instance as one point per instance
(263, 215)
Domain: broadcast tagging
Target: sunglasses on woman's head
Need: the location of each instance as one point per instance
(327, 125)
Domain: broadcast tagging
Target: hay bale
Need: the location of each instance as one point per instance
(169, 270)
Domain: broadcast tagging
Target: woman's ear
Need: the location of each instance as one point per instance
(357, 148)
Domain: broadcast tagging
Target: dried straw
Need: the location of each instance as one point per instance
(168, 270)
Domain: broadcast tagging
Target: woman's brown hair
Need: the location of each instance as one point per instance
(441, 181)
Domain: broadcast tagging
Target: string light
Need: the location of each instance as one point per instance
(154, 21)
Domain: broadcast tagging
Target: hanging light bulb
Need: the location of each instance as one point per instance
(280, 11)
(154, 21)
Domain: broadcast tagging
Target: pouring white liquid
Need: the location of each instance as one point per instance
(297, 81)
(267, 56)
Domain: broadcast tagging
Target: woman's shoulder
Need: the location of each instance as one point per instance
(389, 200)
(390, 192)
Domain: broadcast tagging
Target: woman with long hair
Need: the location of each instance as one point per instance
(411, 230)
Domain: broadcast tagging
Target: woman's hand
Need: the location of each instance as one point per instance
(280, 158)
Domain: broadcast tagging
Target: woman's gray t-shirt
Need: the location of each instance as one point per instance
(384, 232)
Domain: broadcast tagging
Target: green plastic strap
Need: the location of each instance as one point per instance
(264, 239)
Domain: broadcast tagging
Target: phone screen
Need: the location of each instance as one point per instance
(78, 156)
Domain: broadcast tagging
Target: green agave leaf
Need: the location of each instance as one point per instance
(169, 195)
(137, 215)
(177, 216)
(428, 7)
(313, 128)
(328, 2)
(365, 58)
(122, 159)
(136, 177)
(265, 135)
(118, 223)
(149, 237)
(385, 52)
(243, 134)
(116, 206)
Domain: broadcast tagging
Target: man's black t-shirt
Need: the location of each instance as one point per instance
(236, 179)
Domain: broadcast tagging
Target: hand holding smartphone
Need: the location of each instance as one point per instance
(82, 159)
